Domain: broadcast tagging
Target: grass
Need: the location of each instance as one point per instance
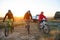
(50, 36)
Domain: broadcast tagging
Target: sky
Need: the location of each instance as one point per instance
(20, 7)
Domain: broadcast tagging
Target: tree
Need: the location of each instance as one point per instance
(57, 15)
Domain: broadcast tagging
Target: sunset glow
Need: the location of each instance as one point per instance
(19, 7)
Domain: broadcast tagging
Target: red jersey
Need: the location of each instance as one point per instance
(41, 16)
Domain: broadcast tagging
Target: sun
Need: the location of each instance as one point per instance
(18, 15)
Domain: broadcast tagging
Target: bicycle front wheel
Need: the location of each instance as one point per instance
(6, 31)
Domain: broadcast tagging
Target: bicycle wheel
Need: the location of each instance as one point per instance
(46, 30)
(28, 28)
(6, 31)
(12, 29)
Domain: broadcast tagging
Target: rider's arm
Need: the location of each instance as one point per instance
(13, 19)
(25, 15)
(30, 16)
(45, 18)
(39, 18)
(5, 17)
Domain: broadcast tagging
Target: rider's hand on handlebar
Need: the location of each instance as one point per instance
(46, 20)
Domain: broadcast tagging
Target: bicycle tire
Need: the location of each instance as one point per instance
(46, 31)
(6, 31)
(28, 28)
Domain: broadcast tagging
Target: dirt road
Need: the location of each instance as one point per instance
(20, 33)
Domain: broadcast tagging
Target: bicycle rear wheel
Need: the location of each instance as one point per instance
(28, 28)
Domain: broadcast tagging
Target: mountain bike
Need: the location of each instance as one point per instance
(44, 27)
(27, 26)
(8, 27)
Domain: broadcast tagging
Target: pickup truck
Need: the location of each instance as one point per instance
(35, 18)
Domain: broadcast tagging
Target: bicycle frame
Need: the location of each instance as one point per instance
(44, 27)
(8, 27)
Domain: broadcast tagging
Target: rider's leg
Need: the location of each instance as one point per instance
(41, 25)
(45, 27)
(6, 29)
(28, 26)
(28, 29)
(12, 28)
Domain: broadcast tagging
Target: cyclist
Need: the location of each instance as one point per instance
(9, 19)
(27, 18)
(41, 17)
